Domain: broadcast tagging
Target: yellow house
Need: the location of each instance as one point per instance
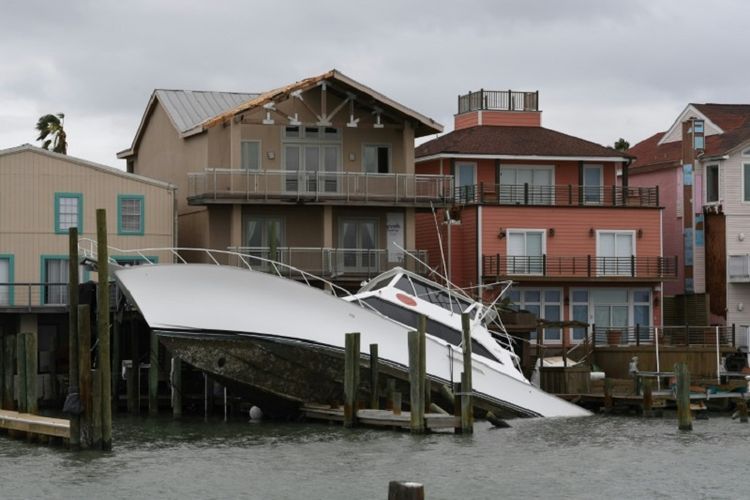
(318, 174)
(42, 194)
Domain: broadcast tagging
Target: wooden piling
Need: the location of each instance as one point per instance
(742, 410)
(85, 383)
(424, 383)
(73, 279)
(416, 391)
(153, 375)
(133, 382)
(608, 399)
(457, 406)
(32, 400)
(116, 357)
(2, 366)
(9, 361)
(96, 409)
(21, 372)
(648, 399)
(400, 490)
(390, 388)
(467, 414)
(374, 375)
(396, 402)
(683, 397)
(176, 376)
(351, 379)
(102, 326)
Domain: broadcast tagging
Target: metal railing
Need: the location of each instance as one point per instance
(667, 335)
(337, 262)
(499, 100)
(580, 266)
(562, 195)
(239, 184)
(28, 295)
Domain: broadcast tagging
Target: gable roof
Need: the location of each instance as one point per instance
(85, 163)
(515, 141)
(425, 125)
(187, 110)
(733, 121)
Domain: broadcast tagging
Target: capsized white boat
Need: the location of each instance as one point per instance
(206, 301)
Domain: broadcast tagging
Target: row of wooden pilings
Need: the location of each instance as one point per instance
(419, 387)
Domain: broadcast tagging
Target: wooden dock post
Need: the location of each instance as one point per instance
(133, 381)
(96, 409)
(390, 388)
(176, 382)
(648, 399)
(9, 361)
(608, 399)
(21, 372)
(84, 374)
(467, 413)
(102, 326)
(351, 379)
(424, 383)
(153, 376)
(116, 358)
(73, 387)
(401, 490)
(32, 400)
(396, 395)
(683, 397)
(416, 400)
(374, 376)
(457, 406)
(742, 410)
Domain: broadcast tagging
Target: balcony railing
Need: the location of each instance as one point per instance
(336, 262)
(564, 195)
(33, 295)
(668, 335)
(581, 266)
(499, 100)
(217, 184)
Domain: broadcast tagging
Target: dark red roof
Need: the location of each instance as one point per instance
(517, 141)
(726, 116)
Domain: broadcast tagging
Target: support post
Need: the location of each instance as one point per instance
(73, 387)
(400, 490)
(116, 357)
(648, 399)
(390, 388)
(21, 371)
(374, 374)
(102, 326)
(467, 414)
(84, 374)
(176, 383)
(416, 393)
(32, 400)
(351, 379)
(96, 409)
(153, 375)
(9, 361)
(742, 410)
(608, 400)
(683, 397)
(134, 390)
(396, 403)
(423, 382)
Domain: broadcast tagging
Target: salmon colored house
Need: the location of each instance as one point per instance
(545, 210)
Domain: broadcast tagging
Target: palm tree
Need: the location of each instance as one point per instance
(51, 131)
(622, 145)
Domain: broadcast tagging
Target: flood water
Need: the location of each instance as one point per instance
(593, 457)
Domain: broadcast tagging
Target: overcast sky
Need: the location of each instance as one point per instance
(604, 69)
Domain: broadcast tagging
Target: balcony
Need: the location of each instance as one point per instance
(668, 336)
(498, 100)
(564, 195)
(333, 263)
(582, 267)
(33, 297)
(739, 268)
(215, 185)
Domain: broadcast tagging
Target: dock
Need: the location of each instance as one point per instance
(380, 418)
(34, 424)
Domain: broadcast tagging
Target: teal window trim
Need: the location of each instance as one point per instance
(140, 258)
(58, 196)
(123, 197)
(43, 274)
(11, 276)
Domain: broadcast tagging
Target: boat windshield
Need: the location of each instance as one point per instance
(433, 294)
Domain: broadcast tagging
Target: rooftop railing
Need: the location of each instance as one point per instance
(499, 100)
(336, 262)
(218, 184)
(579, 267)
(561, 195)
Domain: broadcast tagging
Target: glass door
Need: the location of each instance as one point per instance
(358, 239)
(466, 180)
(592, 184)
(56, 271)
(292, 163)
(525, 252)
(4, 278)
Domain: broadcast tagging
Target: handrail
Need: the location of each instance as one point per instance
(559, 195)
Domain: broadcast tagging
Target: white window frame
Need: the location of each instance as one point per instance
(260, 154)
(508, 233)
(718, 184)
(542, 303)
(745, 166)
(632, 303)
(600, 168)
(373, 145)
(599, 232)
(572, 303)
(512, 198)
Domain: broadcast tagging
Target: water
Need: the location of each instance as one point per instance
(593, 457)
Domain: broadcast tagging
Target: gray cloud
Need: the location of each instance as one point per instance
(604, 69)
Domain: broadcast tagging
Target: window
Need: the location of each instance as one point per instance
(614, 253)
(698, 131)
(130, 214)
(712, 183)
(377, 159)
(6, 280)
(465, 181)
(312, 159)
(544, 304)
(525, 251)
(358, 242)
(134, 260)
(68, 212)
(746, 182)
(579, 305)
(592, 184)
(250, 155)
(527, 185)
(642, 311)
(55, 279)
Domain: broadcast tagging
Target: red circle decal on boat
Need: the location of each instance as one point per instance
(406, 299)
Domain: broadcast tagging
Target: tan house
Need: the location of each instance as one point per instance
(318, 174)
(42, 194)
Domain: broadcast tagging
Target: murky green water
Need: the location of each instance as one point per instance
(595, 457)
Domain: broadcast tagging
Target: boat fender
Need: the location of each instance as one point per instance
(256, 414)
